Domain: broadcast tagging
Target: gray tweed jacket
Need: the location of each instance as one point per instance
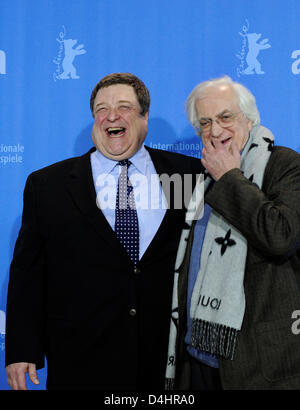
(268, 351)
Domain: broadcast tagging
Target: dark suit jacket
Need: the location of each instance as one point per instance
(268, 352)
(72, 285)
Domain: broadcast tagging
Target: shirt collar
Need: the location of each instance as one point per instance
(138, 160)
(106, 164)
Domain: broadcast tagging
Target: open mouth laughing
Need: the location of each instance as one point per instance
(115, 131)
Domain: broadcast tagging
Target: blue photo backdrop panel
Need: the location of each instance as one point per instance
(52, 53)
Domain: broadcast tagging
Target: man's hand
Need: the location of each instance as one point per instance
(218, 159)
(16, 372)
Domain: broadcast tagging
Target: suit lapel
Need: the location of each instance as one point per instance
(80, 185)
(163, 166)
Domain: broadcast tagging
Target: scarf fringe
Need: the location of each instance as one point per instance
(214, 338)
(169, 384)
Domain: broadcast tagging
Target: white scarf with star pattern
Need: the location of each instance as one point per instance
(218, 299)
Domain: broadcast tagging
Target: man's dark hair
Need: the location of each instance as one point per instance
(141, 91)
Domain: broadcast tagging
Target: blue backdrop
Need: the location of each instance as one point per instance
(53, 52)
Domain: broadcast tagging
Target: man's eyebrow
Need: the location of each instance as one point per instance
(221, 113)
(225, 111)
(118, 102)
(100, 103)
(125, 101)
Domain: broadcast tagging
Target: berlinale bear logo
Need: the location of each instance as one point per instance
(64, 61)
(251, 47)
(254, 48)
(70, 54)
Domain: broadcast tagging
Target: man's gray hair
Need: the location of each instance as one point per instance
(246, 100)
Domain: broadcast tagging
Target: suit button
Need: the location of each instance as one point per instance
(132, 312)
(136, 271)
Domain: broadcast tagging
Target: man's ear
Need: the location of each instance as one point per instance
(146, 117)
(250, 125)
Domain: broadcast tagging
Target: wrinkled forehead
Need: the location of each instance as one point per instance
(115, 93)
(216, 99)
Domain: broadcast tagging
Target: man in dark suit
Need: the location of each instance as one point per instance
(97, 310)
(238, 273)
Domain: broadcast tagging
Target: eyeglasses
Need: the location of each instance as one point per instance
(225, 120)
(124, 108)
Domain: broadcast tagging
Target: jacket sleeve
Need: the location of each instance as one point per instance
(25, 319)
(269, 218)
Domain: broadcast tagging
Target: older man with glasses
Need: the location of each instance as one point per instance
(238, 267)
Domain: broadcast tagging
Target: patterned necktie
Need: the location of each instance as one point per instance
(126, 222)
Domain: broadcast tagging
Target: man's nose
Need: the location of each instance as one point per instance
(216, 130)
(113, 114)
